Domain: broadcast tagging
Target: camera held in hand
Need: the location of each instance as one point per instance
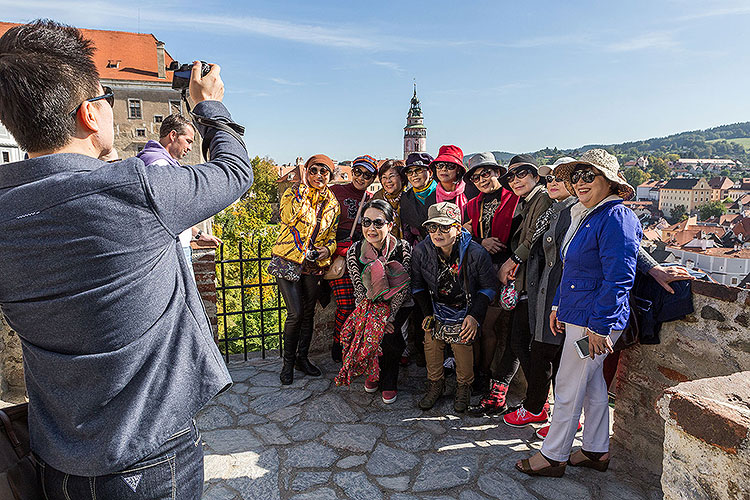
(312, 254)
(182, 72)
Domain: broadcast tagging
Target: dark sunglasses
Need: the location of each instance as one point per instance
(108, 95)
(552, 178)
(319, 170)
(586, 176)
(482, 175)
(415, 171)
(446, 166)
(517, 174)
(432, 228)
(361, 173)
(378, 223)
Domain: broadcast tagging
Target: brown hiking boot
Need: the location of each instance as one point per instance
(463, 395)
(434, 391)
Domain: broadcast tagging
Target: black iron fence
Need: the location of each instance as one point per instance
(250, 311)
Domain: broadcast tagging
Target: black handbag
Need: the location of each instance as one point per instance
(18, 472)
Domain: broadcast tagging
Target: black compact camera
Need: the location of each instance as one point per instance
(312, 254)
(181, 78)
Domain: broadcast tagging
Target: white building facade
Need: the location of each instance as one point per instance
(728, 271)
(9, 149)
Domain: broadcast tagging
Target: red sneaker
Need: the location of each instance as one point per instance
(389, 397)
(371, 385)
(541, 433)
(522, 418)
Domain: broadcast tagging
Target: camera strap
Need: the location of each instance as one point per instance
(234, 129)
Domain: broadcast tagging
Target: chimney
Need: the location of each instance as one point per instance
(161, 67)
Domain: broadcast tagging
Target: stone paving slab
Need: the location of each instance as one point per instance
(315, 441)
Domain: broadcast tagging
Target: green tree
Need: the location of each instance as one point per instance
(635, 176)
(711, 209)
(678, 213)
(659, 168)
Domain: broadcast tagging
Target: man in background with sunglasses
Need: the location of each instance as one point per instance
(350, 197)
(118, 352)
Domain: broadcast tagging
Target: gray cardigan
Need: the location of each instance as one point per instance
(118, 351)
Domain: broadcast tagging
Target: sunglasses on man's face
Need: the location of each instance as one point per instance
(108, 95)
(415, 171)
(432, 228)
(314, 170)
(485, 174)
(518, 174)
(587, 176)
(378, 223)
(551, 178)
(361, 173)
(446, 166)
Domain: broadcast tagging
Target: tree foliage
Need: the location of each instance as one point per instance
(712, 209)
(635, 176)
(678, 213)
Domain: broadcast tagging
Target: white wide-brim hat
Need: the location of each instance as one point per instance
(605, 163)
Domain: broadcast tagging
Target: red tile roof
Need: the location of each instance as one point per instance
(136, 53)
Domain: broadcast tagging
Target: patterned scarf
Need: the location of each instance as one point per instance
(382, 278)
(395, 202)
(456, 196)
(425, 191)
(360, 337)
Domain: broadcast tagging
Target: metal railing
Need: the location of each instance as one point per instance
(246, 322)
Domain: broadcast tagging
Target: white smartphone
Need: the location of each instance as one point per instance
(582, 346)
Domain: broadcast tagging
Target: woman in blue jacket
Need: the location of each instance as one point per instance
(599, 253)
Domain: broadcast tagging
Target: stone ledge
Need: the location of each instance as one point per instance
(713, 410)
(721, 292)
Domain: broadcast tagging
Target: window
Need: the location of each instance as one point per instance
(175, 107)
(113, 63)
(158, 118)
(140, 132)
(6, 157)
(134, 108)
(735, 280)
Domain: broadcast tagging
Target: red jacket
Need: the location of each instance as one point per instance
(501, 221)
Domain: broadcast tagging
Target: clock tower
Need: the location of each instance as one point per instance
(415, 133)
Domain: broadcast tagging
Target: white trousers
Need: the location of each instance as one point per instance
(579, 385)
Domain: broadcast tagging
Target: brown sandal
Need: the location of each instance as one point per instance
(591, 462)
(554, 469)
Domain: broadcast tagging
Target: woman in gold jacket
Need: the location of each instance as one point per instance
(302, 252)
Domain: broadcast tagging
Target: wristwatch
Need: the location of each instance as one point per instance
(198, 234)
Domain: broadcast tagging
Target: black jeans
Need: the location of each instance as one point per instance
(545, 360)
(173, 471)
(299, 297)
(517, 350)
(393, 346)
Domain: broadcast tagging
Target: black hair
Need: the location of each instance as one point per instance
(46, 71)
(383, 206)
(399, 165)
(176, 122)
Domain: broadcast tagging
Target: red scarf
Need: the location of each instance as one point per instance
(456, 196)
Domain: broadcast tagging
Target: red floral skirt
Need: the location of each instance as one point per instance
(360, 338)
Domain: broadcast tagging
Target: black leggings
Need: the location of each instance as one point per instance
(393, 347)
(545, 360)
(517, 346)
(299, 297)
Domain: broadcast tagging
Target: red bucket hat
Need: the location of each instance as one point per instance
(451, 154)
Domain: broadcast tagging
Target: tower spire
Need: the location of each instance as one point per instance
(415, 133)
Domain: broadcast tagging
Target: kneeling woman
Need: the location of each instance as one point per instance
(453, 282)
(371, 336)
(599, 254)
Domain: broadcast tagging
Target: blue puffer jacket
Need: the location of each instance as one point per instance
(599, 270)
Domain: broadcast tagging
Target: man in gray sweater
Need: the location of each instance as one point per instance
(118, 352)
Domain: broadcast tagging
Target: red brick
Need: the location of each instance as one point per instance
(715, 290)
(708, 421)
(673, 375)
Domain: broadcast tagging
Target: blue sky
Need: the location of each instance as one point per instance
(336, 77)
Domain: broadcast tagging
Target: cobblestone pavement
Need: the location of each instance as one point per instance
(315, 441)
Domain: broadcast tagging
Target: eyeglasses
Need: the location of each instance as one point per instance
(517, 174)
(552, 178)
(586, 176)
(390, 177)
(432, 228)
(415, 171)
(444, 165)
(319, 170)
(108, 95)
(485, 174)
(361, 173)
(378, 223)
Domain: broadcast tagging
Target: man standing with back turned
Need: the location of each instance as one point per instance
(118, 352)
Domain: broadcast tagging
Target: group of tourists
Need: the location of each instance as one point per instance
(494, 268)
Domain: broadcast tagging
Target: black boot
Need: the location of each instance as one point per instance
(287, 373)
(304, 365)
(336, 353)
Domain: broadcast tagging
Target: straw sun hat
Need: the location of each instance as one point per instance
(605, 163)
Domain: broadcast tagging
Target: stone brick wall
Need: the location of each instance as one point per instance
(707, 426)
(204, 267)
(12, 384)
(712, 342)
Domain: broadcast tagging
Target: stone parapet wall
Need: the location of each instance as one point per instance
(712, 342)
(707, 439)
(204, 268)
(12, 384)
